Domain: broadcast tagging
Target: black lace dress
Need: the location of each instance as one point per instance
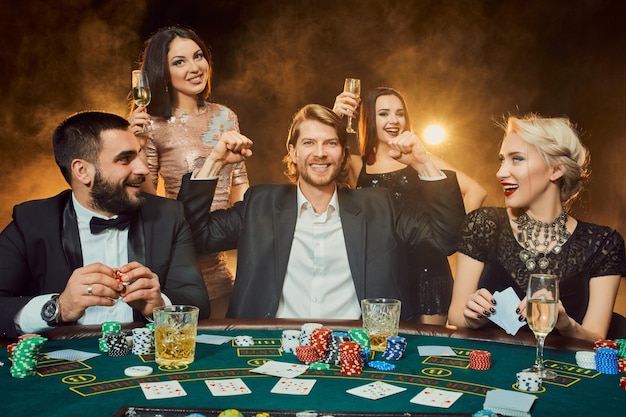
(433, 281)
(591, 251)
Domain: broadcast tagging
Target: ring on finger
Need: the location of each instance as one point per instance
(89, 290)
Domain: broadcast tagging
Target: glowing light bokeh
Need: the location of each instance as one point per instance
(434, 134)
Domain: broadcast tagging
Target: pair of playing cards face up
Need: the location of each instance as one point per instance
(235, 386)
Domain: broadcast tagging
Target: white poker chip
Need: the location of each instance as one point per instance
(244, 341)
(138, 371)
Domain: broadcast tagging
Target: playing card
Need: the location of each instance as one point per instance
(225, 387)
(281, 369)
(293, 386)
(157, 390)
(213, 339)
(71, 355)
(505, 315)
(434, 397)
(375, 390)
(435, 351)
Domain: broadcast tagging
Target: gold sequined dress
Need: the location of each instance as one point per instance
(179, 145)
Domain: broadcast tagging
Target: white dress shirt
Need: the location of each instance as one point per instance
(109, 247)
(318, 282)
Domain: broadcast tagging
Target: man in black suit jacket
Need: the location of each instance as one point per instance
(316, 249)
(58, 266)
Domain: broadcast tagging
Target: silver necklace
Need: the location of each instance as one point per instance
(531, 231)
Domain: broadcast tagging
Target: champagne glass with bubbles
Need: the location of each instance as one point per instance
(352, 85)
(541, 314)
(141, 89)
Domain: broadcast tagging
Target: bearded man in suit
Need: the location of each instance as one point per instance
(102, 251)
(315, 249)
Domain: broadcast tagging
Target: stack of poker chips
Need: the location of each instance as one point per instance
(606, 356)
(320, 340)
(25, 355)
(528, 381)
(350, 358)
(290, 339)
(480, 360)
(305, 332)
(117, 345)
(307, 354)
(606, 360)
(395, 348)
(586, 359)
(244, 341)
(332, 355)
(108, 327)
(142, 341)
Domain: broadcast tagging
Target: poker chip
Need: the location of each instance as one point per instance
(319, 366)
(528, 381)
(231, 412)
(480, 360)
(307, 354)
(350, 359)
(360, 336)
(622, 382)
(244, 341)
(25, 355)
(586, 359)
(381, 365)
(142, 342)
(290, 339)
(305, 332)
(621, 347)
(606, 360)
(394, 349)
(116, 344)
(485, 413)
(332, 353)
(138, 371)
(320, 340)
(605, 343)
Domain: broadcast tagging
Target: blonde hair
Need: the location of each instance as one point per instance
(558, 143)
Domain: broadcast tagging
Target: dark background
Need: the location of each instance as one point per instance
(463, 64)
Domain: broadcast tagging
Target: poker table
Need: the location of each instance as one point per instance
(98, 386)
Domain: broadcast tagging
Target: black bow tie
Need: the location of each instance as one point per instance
(97, 224)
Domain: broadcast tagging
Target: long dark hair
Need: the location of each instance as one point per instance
(154, 62)
(368, 139)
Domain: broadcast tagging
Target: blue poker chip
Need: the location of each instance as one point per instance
(382, 366)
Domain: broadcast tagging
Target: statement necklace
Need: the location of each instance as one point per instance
(530, 232)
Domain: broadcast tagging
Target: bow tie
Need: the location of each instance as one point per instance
(97, 224)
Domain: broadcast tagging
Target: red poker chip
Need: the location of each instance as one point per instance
(480, 360)
(622, 382)
(606, 343)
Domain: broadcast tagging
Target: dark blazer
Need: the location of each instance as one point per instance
(377, 234)
(40, 249)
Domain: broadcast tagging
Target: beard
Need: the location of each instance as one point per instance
(306, 174)
(113, 198)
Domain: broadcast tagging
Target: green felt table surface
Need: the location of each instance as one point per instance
(99, 387)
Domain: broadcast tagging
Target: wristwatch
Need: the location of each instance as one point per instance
(50, 311)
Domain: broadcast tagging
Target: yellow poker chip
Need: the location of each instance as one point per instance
(138, 371)
(231, 412)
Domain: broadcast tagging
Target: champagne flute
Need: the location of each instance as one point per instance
(141, 89)
(541, 314)
(352, 85)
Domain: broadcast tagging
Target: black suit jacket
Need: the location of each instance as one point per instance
(377, 232)
(41, 248)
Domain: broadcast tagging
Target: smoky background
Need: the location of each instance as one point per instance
(463, 64)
